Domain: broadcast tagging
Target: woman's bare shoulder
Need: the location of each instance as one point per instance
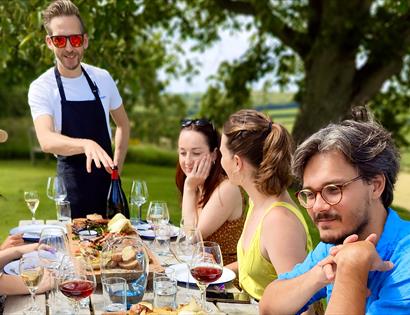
(227, 187)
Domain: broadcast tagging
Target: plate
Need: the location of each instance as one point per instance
(142, 226)
(31, 232)
(150, 235)
(181, 273)
(12, 268)
(87, 234)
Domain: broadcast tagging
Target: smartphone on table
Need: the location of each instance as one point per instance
(228, 297)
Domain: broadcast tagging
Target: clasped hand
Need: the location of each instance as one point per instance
(356, 253)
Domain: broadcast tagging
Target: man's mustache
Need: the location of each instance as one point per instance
(326, 216)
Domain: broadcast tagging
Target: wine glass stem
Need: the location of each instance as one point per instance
(187, 278)
(202, 288)
(33, 219)
(76, 307)
(139, 213)
(33, 299)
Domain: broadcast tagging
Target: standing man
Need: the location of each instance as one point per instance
(70, 104)
(348, 173)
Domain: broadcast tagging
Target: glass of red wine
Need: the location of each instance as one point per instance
(76, 279)
(206, 266)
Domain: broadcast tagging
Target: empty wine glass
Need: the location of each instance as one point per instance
(32, 200)
(53, 245)
(31, 271)
(56, 189)
(206, 266)
(139, 196)
(188, 237)
(76, 279)
(157, 213)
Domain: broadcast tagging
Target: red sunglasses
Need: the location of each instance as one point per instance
(60, 41)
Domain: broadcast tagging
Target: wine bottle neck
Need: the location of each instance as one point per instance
(114, 174)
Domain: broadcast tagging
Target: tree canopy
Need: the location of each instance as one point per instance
(338, 53)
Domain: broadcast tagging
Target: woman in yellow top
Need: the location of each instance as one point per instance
(256, 155)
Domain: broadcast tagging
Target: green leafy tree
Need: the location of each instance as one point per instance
(126, 38)
(339, 53)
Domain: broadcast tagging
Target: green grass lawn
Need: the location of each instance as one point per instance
(18, 175)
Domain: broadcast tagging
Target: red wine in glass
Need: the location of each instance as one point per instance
(207, 273)
(77, 289)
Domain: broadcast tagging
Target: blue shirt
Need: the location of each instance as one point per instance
(390, 291)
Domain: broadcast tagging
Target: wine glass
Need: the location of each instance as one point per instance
(139, 196)
(56, 189)
(206, 266)
(32, 200)
(157, 213)
(76, 279)
(53, 245)
(31, 271)
(188, 237)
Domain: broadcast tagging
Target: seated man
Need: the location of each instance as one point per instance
(348, 173)
(353, 262)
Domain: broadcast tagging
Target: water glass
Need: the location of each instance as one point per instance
(115, 294)
(162, 239)
(127, 255)
(63, 211)
(165, 288)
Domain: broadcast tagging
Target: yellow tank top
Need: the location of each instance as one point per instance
(255, 271)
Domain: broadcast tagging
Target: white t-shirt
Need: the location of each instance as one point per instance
(44, 96)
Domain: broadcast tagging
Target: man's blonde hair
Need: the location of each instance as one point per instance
(61, 8)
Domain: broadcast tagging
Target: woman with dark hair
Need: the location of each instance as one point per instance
(209, 200)
(256, 155)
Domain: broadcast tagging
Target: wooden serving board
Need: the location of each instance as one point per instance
(73, 241)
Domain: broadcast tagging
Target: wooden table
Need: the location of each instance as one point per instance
(16, 304)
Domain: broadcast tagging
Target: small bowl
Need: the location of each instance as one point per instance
(87, 234)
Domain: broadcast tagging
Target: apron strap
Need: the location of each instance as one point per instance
(93, 86)
(59, 83)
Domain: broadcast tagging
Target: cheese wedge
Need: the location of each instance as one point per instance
(115, 218)
(121, 225)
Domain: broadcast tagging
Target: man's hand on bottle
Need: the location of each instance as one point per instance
(94, 152)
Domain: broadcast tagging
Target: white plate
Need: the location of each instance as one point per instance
(12, 268)
(31, 232)
(149, 234)
(181, 273)
(142, 226)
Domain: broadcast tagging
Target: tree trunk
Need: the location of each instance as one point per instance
(328, 89)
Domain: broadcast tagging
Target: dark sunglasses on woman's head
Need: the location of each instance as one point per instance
(60, 41)
(195, 122)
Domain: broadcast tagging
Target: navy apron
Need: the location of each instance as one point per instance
(87, 192)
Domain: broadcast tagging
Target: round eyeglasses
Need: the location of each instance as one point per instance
(332, 194)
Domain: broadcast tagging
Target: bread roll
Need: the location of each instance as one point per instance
(94, 217)
(133, 264)
(128, 254)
